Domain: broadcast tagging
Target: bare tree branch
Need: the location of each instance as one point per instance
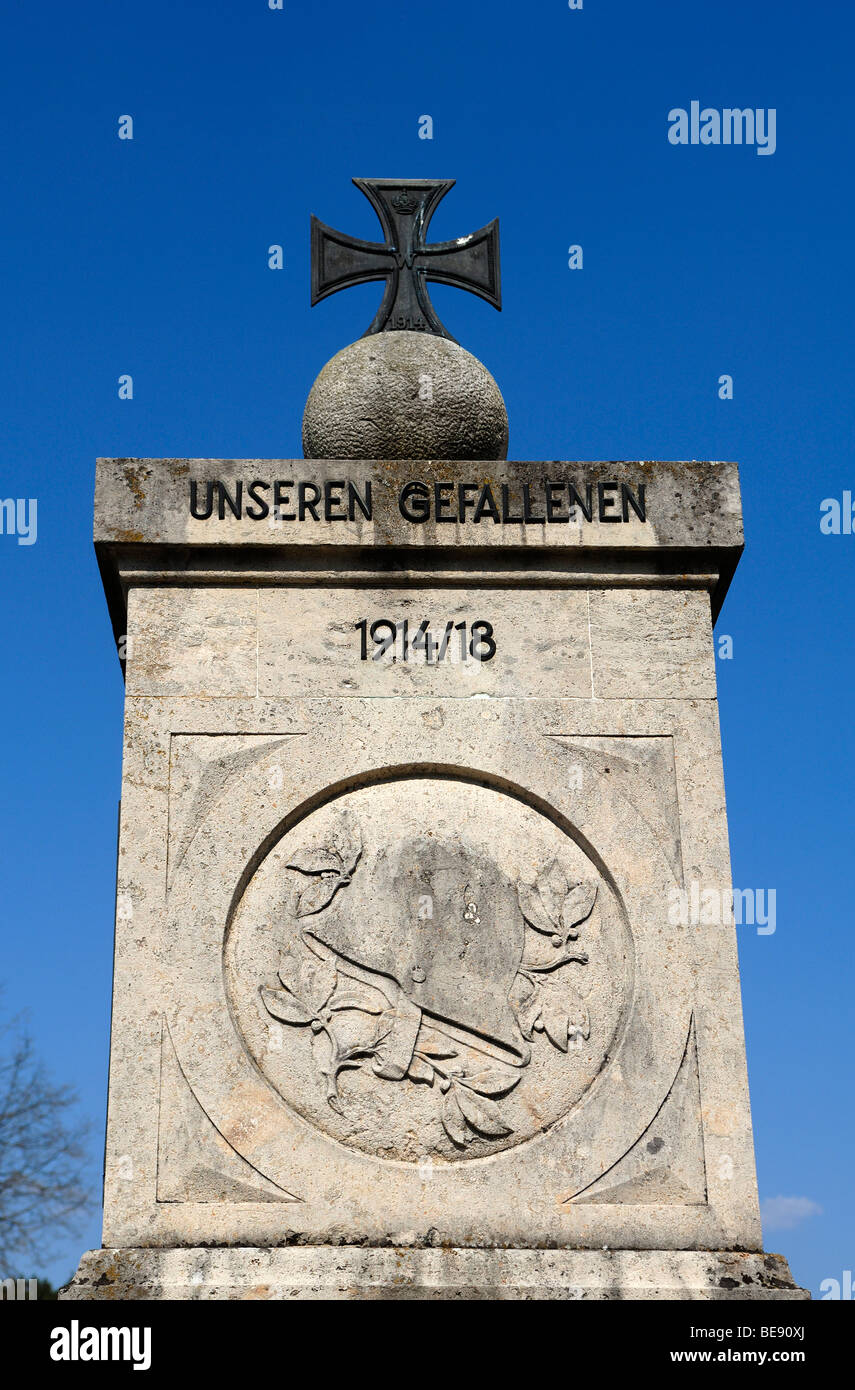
(45, 1188)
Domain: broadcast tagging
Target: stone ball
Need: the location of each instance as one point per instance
(405, 395)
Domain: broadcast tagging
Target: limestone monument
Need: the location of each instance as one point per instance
(421, 758)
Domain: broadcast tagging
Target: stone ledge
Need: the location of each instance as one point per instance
(633, 504)
(354, 1272)
(637, 525)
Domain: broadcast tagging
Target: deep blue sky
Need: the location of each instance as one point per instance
(150, 257)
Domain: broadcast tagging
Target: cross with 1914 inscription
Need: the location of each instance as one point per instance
(405, 260)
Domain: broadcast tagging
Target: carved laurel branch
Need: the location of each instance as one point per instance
(312, 994)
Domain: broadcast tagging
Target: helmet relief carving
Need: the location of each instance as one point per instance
(423, 963)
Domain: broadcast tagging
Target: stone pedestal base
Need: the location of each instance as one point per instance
(352, 1272)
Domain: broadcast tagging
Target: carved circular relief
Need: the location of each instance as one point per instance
(429, 968)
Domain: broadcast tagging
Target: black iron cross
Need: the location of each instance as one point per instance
(405, 260)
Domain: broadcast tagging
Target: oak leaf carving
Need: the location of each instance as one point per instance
(327, 867)
(282, 1004)
(420, 1070)
(481, 1113)
(491, 1082)
(453, 1121)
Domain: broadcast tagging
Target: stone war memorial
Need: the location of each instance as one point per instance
(421, 755)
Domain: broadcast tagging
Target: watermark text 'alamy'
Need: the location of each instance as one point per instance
(731, 126)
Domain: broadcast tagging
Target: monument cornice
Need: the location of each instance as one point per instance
(564, 524)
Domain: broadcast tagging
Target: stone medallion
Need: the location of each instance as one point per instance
(428, 967)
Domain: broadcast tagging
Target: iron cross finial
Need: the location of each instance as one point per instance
(405, 260)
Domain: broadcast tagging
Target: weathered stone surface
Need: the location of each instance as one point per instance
(294, 641)
(324, 1272)
(192, 642)
(649, 644)
(198, 522)
(405, 395)
(306, 643)
(213, 911)
(145, 503)
(396, 961)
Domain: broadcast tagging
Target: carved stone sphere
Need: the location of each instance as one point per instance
(405, 395)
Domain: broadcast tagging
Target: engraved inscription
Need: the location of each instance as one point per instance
(406, 641)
